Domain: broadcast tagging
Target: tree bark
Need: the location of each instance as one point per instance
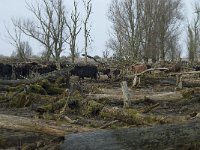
(118, 100)
(37, 125)
(171, 96)
(151, 138)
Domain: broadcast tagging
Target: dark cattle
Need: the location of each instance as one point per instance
(175, 67)
(40, 69)
(148, 66)
(52, 67)
(88, 71)
(111, 73)
(107, 72)
(21, 71)
(116, 72)
(43, 69)
(7, 71)
(139, 68)
(1, 70)
(196, 68)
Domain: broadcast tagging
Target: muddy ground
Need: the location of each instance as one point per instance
(86, 103)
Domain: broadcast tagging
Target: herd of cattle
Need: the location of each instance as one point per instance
(26, 70)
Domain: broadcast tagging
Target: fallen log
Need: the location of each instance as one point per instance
(4, 87)
(104, 96)
(37, 125)
(152, 69)
(130, 116)
(148, 109)
(151, 138)
(136, 77)
(184, 73)
(107, 99)
(191, 83)
(148, 70)
(109, 124)
(170, 96)
(118, 100)
(102, 63)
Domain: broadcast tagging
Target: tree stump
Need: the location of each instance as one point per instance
(179, 82)
(126, 95)
(136, 81)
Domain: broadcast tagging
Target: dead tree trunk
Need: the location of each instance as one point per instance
(151, 138)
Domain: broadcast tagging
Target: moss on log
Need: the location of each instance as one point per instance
(130, 116)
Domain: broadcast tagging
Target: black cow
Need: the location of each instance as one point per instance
(111, 73)
(44, 68)
(196, 68)
(1, 70)
(116, 72)
(52, 67)
(107, 72)
(22, 70)
(6, 71)
(88, 71)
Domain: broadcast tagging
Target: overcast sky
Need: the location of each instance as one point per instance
(100, 24)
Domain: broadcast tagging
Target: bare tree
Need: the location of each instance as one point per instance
(168, 23)
(74, 29)
(190, 46)
(23, 50)
(173, 52)
(49, 28)
(105, 54)
(124, 40)
(88, 9)
(142, 28)
(193, 37)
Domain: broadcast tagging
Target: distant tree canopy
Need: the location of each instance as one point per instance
(145, 29)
